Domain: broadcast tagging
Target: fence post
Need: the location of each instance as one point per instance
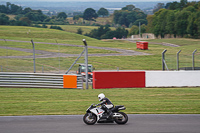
(75, 62)
(178, 60)
(42, 69)
(86, 63)
(163, 59)
(193, 66)
(33, 55)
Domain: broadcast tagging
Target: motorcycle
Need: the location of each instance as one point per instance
(96, 114)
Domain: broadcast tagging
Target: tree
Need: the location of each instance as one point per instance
(76, 17)
(56, 27)
(174, 6)
(125, 17)
(129, 7)
(190, 8)
(134, 30)
(141, 21)
(150, 25)
(162, 22)
(4, 20)
(3, 9)
(122, 19)
(25, 19)
(191, 28)
(170, 19)
(14, 9)
(193, 25)
(183, 3)
(118, 33)
(36, 15)
(196, 22)
(103, 12)
(79, 31)
(89, 14)
(62, 15)
(158, 7)
(182, 22)
(98, 33)
(168, 5)
(156, 23)
(27, 10)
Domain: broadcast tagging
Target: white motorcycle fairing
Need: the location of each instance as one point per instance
(98, 112)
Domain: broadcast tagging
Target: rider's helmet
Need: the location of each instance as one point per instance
(101, 96)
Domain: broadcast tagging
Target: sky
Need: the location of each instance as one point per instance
(99, 0)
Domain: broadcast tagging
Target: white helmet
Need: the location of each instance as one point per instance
(101, 96)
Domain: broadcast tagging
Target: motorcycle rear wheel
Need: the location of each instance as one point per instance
(89, 119)
(122, 120)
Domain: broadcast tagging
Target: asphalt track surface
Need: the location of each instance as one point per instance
(137, 123)
(46, 54)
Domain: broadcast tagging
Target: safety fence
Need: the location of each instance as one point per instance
(40, 80)
(181, 60)
(54, 57)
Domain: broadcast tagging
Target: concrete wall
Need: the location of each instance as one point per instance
(141, 79)
(172, 78)
(119, 79)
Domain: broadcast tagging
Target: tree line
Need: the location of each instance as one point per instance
(178, 19)
(104, 32)
(174, 18)
(27, 16)
(129, 15)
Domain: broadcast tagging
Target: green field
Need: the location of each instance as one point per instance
(150, 62)
(74, 28)
(30, 101)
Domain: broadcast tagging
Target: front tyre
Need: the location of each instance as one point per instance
(123, 119)
(89, 119)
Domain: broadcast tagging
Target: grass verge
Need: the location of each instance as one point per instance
(32, 101)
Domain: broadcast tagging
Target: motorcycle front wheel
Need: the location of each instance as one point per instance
(89, 119)
(123, 119)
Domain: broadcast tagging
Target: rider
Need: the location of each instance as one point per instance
(106, 104)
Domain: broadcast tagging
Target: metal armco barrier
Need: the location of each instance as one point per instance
(40, 80)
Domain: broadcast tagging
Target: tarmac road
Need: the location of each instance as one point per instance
(74, 124)
(46, 54)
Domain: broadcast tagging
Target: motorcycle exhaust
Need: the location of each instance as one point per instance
(117, 115)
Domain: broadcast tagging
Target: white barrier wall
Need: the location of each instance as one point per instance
(172, 78)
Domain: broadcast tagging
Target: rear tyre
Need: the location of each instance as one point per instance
(89, 119)
(123, 119)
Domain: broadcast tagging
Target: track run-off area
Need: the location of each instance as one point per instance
(46, 54)
(138, 123)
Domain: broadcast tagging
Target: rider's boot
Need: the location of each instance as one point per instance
(109, 113)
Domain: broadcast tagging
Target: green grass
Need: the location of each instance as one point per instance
(85, 29)
(178, 41)
(7, 52)
(48, 47)
(74, 28)
(30, 101)
(151, 62)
